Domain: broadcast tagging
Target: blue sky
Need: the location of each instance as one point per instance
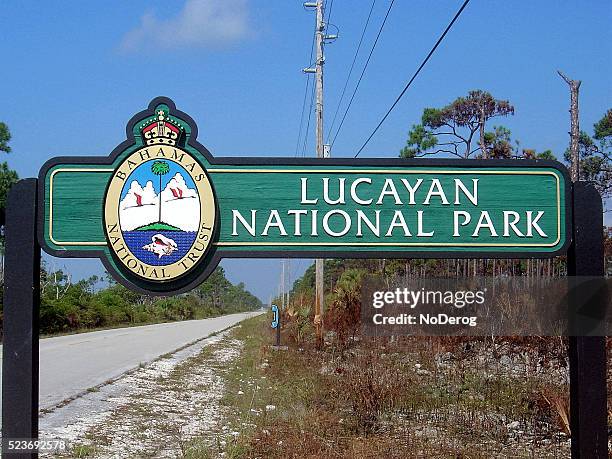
(142, 174)
(74, 72)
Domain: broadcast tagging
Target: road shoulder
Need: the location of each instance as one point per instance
(154, 410)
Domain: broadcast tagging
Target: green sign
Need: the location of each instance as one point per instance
(161, 212)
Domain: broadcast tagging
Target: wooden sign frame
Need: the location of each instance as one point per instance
(223, 192)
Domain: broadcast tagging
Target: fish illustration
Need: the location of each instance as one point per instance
(161, 245)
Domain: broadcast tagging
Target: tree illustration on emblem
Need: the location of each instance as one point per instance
(160, 168)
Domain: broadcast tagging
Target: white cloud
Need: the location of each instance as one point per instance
(200, 23)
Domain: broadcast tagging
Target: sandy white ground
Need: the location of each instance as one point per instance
(154, 411)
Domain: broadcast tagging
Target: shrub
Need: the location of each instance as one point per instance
(344, 315)
(372, 386)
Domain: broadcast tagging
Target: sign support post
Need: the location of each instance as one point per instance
(587, 354)
(21, 306)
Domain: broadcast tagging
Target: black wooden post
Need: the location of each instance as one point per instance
(587, 355)
(21, 305)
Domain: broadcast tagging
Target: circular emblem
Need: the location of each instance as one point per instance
(159, 211)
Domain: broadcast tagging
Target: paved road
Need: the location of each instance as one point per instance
(71, 364)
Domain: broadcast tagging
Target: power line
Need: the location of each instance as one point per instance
(350, 72)
(448, 27)
(328, 20)
(297, 268)
(312, 96)
(297, 144)
(362, 73)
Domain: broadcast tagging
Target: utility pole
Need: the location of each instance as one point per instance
(288, 283)
(574, 86)
(282, 285)
(319, 286)
(322, 151)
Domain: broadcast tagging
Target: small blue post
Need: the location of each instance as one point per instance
(276, 323)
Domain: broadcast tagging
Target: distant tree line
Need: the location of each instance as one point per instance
(67, 306)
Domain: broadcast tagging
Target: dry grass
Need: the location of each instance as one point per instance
(395, 398)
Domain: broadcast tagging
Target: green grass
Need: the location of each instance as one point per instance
(286, 383)
(159, 226)
(81, 451)
(198, 449)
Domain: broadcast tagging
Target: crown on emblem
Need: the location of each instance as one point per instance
(161, 130)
